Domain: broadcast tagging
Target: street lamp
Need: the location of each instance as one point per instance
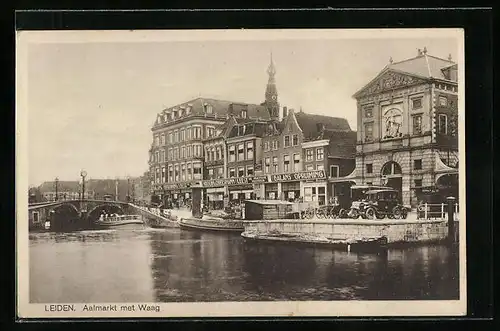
(57, 189)
(128, 188)
(83, 173)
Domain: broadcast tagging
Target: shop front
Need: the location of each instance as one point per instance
(239, 193)
(271, 191)
(177, 195)
(215, 197)
(290, 191)
(288, 186)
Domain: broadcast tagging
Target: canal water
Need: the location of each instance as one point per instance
(173, 265)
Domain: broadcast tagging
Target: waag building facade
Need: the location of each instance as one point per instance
(239, 151)
(407, 133)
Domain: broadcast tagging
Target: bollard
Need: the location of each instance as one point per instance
(451, 219)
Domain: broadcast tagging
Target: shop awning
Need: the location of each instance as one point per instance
(442, 169)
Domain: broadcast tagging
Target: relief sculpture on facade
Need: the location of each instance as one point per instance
(389, 81)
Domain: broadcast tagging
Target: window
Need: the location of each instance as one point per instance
(188, 110)
(196, 130)
(295, 140)
(417, 164)
(170, 139)
(207, 156)
(244, 114)
(183, 152)
(310, 167)
(266, 146)
(157, 175)
(319, 154)
(418, 183)
(170, 174)
(210, 131)
(275, 164)
(188, 134)
(188, 151)
(417, 124)
(212, 154)
(241, 171)
(183, 135)
(334, 171)
(220, 172)
(183, 172)
(241, 152)
(218, 154)
(208, 109)
(286, 163)
(157, 156)
(287, 141)
(309, 154)
(416, 103)
(156, 140)
(368, 131)
(368, 111)
(369, 168)
(443, 101)
(176, 136)
(176, 172)
(163, 173)
(162, 139)
(267, 164)
(296, 162)
(275, 144)
(210, 172)
(189, 173)
(197, 170)
(232, 153)
(231, 172)
(250, 150)
(249, 170)
(443, 125)
(197, 150)
(320, 167)
(162, 155)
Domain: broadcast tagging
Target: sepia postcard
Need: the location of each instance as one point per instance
(240, 173)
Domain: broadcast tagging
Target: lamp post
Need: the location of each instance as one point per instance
(128, 188)
(83, 173)
(57, 189)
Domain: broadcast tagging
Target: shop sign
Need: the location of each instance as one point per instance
(234, 181)
(429, 189)
(176, 186)
(303, 175)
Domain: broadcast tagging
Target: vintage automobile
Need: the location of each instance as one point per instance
(343, 208)
(379, 203)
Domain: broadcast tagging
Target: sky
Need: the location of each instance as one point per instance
(91, 105)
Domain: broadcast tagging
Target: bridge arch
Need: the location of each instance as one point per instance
(95, 212)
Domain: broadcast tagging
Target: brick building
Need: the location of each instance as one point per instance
(247, 151)
(407, 127)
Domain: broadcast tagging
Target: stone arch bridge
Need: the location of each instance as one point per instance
(79, 211)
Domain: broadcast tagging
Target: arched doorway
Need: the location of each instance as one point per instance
(393, 177)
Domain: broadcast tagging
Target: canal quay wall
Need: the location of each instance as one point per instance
(396, 231)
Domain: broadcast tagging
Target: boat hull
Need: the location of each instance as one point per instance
(362, 245)
(120, 225)
(191, 224)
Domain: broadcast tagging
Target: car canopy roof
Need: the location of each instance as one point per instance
(382, 190)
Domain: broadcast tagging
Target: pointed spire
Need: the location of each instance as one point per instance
(271, 70)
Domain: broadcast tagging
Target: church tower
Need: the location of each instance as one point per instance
(271, 102)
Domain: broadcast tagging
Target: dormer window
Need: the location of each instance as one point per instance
(165, 117)
(243, 114)
(174, 114)
(188, 110)
(181, 112)
(208, 108)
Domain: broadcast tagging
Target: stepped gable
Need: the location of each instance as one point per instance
(312, 125)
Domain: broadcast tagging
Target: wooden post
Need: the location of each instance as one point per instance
(451, 219)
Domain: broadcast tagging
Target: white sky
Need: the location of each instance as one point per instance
(91, 104)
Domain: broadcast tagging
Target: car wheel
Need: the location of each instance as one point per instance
(354, 213)
(396, 212)
(342, 213)
(380, 216)
(370, 213)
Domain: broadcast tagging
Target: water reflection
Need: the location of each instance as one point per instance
(181, 266)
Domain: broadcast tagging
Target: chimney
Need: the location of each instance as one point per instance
(285, 112)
